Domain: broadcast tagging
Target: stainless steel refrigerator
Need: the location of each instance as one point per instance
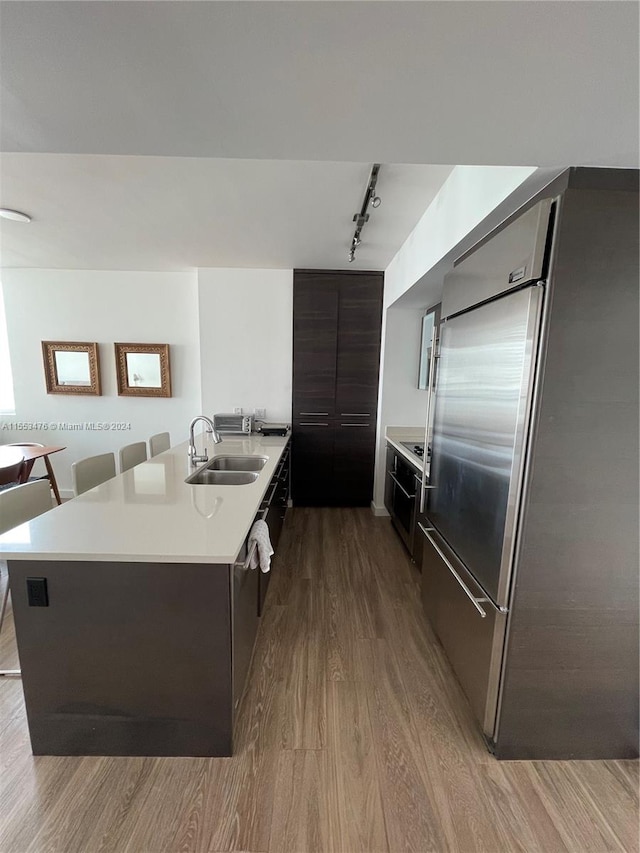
(530, 535)
(488, 354)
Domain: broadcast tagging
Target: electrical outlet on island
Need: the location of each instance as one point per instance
(260, 414)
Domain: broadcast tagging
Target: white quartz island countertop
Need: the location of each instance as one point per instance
(150, 514)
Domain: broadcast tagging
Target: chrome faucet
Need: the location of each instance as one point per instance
(211, 430)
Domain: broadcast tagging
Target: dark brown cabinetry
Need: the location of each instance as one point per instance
(315, 344)
(337, 319)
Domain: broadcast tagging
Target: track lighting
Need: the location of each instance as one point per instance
(362, 217)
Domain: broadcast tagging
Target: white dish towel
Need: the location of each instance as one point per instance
(263, 551)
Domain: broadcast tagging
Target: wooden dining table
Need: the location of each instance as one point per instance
(10, 453)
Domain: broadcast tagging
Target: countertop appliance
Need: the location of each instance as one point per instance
(233, 424)
(528, 559)
(264, 428)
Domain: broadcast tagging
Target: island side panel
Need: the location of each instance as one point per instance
(127, 659)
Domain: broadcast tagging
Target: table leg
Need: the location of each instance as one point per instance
(26, 470)
(52, 479)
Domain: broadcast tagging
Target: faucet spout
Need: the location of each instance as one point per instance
(211, 430)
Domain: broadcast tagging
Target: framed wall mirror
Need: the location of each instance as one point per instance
(143, 370)
(71, 367)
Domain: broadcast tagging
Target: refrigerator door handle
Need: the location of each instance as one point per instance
(434, 345)
(419, 480)
(475, 601)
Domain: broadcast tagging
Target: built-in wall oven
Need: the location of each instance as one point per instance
(405, 484)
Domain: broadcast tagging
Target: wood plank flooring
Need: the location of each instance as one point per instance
(353, 736)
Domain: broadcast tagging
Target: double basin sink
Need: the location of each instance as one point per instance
(228, 471)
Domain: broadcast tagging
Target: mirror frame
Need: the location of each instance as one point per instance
(49, 349)
(424, 357)
(126, 390)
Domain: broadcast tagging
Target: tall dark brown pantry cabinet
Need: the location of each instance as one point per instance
(337, 318)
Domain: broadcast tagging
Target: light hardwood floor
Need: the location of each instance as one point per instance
(353, 736)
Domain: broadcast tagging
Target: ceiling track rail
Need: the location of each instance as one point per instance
(362, 217)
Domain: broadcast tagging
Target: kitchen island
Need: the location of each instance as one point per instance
(141, 641)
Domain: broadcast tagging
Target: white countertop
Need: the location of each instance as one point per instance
(395, 435)
(149, 513)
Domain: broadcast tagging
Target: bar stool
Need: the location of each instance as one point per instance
(131, 455)
(90, 472)
(159, 443)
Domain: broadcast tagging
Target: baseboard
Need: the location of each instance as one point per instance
(379, 510)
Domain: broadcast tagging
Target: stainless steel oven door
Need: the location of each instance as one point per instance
(404, 501)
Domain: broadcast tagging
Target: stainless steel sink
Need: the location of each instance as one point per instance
(206, 477)
(237, 463)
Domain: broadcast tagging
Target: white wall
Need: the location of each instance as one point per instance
(246, 339)
(102, 306)
(403, 402)
(468, 195)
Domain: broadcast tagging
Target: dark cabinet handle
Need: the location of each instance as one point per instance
(311, 423)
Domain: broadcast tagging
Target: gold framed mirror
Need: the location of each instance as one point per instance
(143, 370)
(71, 367)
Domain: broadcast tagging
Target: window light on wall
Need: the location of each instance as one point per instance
(7, 399)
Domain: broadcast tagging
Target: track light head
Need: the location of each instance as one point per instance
(376, 201)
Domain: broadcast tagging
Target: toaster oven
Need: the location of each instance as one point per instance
(233, 424)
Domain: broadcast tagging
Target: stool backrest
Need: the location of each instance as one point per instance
(159, 443)
(131, 455)
(90, 472)
(22, 503)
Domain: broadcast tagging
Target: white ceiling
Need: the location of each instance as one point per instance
(171, 213)
(245, 131)
(502, 83)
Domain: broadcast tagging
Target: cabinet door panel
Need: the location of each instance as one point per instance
(358, 358)
(355, 446)
(315, 340)
(312, 459)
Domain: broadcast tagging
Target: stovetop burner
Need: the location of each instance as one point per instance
(416, 447)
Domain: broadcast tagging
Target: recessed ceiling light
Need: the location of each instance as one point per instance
(7, 213)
